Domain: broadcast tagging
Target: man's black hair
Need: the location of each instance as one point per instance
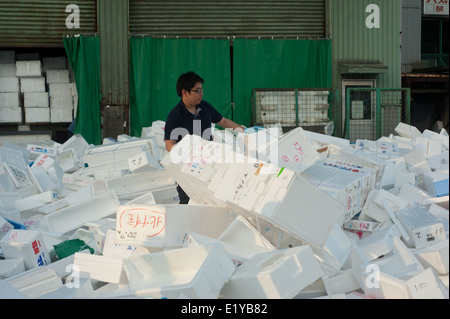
(187, 81)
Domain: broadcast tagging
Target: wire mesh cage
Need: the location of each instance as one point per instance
(290, 108)
(375, 112)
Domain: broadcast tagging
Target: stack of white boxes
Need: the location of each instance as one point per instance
(60, 89)
(10, 111)
(253, 229)
(32, 86)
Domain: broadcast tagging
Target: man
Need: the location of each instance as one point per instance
(192, 116)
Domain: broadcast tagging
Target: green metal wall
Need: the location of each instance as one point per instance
(352, 41)
(113, 31)
(42, 24)
(223, 18)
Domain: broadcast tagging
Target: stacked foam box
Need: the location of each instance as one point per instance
(253, 229)
(60, 89)
(32, 86)
(10, 111)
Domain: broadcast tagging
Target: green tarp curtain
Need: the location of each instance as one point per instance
(277, 64)
(84, 57)
(156, 64)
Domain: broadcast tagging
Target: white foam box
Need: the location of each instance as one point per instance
(444, 138)
(279, 274)
(9, 84)
(37, 150)
(28, 68)
(143, 162)
(416, 162)
(63, 102)
(35, 201)
(76, 215)
(434, 154)
(413, 194)
(37, 115)
(295, 151)
(9, 100)
(36, 99)
(342, 282)
(102, 268)
(26, 244)
(423, 228)
(132, 185)
(7, 69)
(435, 256)
(60, 89)
(421, 144)
(111, 249)
(405, 176)
(77, 143)
(349, 184)
(11, 267)
(5, 227)
(378, 244)
(36, 282)
(436, 183)
(32, 84)
(406, 130)
(61, 115)
(166, 225)
(57, 76)
(194, 273)
(43, 180)
(241, 232)
(10, 115)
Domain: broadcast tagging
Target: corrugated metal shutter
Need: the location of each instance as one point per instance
(221, 18)
(42, 23)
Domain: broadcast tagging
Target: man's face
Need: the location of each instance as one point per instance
(195, 95)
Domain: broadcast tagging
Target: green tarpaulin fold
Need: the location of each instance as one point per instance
(84, 57)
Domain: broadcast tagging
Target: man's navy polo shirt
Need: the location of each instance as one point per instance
(183, 121)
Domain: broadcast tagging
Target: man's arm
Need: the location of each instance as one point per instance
(169, 144)
(226, 123)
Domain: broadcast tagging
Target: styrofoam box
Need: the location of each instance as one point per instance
(5, 227)
(423, 228)
(196, 272)
(106, 269)
(9, 84)
(10, 115)
(7, 69)
(57, 76)
(61, 115)
(435, 256)
(406, 130)
(26, 244)
(60, 89)
(166, 225)
(436, 183)
(9, 100)
(28, 68)
(61, 101)
(75, 216)
(32, 84)
(279, 274)
(35, 99)
(11, 267)
(37, 115)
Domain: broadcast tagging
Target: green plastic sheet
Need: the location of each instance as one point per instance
(156, 64)
(84, 57)
(276, 64)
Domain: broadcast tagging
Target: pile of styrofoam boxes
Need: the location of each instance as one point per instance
(48, 91)
(305, 216)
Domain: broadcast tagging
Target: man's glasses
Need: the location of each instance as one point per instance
(199, 91)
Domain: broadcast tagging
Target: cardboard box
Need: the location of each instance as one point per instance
(26, 244)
